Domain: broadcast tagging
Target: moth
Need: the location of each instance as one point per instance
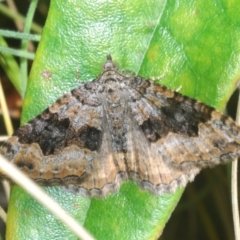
(118, 128)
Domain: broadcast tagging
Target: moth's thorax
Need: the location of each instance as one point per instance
(114, 98)
(110, 75)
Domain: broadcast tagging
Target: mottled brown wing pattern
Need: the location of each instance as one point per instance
(51, 145)
(120, 127)
(194, 134)
(179, 136)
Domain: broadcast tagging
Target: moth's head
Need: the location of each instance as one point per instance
(109, 64)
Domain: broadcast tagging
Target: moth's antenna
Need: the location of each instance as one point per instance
(109, 57)
(109, 64)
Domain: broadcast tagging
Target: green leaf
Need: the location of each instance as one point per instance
(192, 45)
